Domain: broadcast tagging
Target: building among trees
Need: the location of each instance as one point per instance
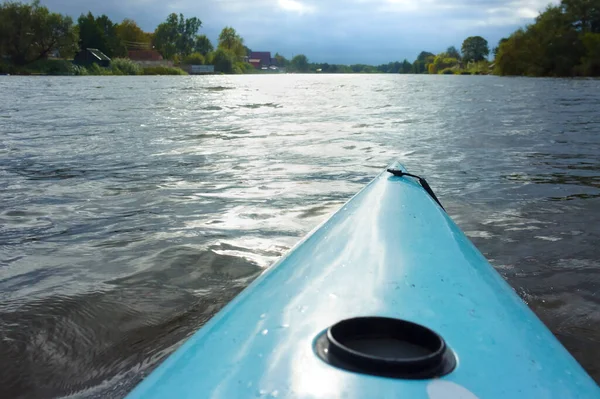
(91, 56)
(260, 59)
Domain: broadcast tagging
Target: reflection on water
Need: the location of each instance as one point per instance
(134, 208)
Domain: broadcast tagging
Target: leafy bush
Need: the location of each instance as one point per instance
(442, 62)
(124, 66)
(7, 68)
(44, 67)
(118, 67)
(224, 61)
(79, 70)
(209, 58)
(590, 63)
(243, 67)
(563, 41)
(163, 70)
(479, 68)
(50, 67)
(447, 71)
(194, 59)
(96, 69)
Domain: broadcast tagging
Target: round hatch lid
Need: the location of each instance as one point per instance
(385, 347)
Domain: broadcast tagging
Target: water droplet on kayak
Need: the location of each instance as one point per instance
(275, 393)
(265, 332)
(285, 325)
(332, 295)
(302, 309)
(262, 392)
(262, 316)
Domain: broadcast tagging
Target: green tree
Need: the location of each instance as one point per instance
(223, 61)
(369, 69)
(299, 63)
(203, 45)
(424, 55)
(512, 57)
(552, 46)
(101, 33)
(166, 36)
(131, 35)
(281, 61)
(406, 67)
(194, 59)
(583, 14)
(442, 62)
(391, 67)
(495, 50)
(29, 32)
(232, 42)
(243, 67)
(423, 59)
(475, 48)
(591, 60)
(452, 52)
(176, 36)
(556, 42)
(188, 30)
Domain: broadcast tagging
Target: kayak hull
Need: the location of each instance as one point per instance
(391, 251)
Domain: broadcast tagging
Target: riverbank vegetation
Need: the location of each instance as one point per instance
(34, 40)
(118, 67)
(564, 40)
(471, 60)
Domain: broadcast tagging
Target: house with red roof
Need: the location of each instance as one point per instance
(260, 59)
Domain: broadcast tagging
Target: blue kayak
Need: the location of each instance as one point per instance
(386, 299)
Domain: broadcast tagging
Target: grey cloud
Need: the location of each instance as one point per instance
(366, 31)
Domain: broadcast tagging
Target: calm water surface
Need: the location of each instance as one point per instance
(133, 209)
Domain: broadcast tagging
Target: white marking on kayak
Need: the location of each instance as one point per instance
(440, 389)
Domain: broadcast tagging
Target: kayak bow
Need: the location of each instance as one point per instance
(386, 299)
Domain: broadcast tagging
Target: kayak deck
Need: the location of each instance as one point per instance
(391, 251)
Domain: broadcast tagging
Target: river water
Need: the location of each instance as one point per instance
(133, 208)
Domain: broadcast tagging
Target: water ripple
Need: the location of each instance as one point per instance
(131, 210)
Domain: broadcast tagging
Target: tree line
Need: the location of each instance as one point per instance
(30, 32)
(471, 59)
(564, 40)
(475, 50)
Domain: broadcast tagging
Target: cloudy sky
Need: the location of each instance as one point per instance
(335, 31)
